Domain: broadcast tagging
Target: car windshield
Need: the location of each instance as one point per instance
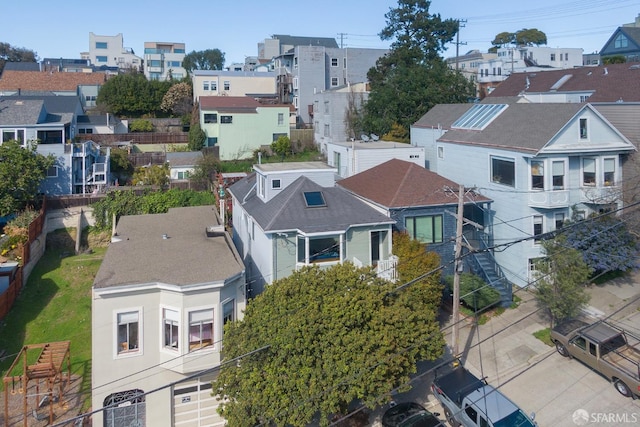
(516, 419)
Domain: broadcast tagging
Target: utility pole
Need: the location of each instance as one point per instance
(456, 273)
(342, 39)
(461, 23)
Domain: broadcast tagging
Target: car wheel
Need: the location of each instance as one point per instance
(449, 417)
(562, 349)
(622, 388)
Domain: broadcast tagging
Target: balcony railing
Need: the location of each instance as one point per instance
(549, 199)
(385, 269)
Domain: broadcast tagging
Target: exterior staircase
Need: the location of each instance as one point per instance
(482, 263)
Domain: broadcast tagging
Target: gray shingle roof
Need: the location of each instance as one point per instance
(186, 257)
(184, 158)
(524, 127)
(306, 41)
(288, 211)
(15, 112)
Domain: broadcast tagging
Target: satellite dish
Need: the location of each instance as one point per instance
(375, 137)
(364, 137)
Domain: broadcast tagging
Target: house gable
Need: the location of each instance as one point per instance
(624, 41)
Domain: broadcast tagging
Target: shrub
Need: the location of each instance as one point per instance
(475, 293)
(141, 125)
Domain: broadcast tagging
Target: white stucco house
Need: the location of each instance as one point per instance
(166, 287)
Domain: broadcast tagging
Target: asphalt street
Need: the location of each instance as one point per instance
(560, 391)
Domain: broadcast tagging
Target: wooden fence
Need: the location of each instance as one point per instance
(138, 138)
(8, 297)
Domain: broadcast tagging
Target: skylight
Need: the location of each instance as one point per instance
(479, 116)
(314, 199)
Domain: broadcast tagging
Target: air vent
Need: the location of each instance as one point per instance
(214, 230)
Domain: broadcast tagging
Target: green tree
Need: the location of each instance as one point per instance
(10, 53)
(281, 146)
(197, 137)
(132, 95)
(120, 165)
(22, 170)
(178, 99)
(412, 77)
(152, 175)
(333, 335)
(524, 37)
(614, 59)
(210, 59)
(475, 293)
(416, 263)
(206, 170)
(560, 280)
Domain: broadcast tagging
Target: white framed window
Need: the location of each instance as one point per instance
(589, 171)
(583, 129)
(13, 135)
(441, 152)
(295, 83)
(52, 172)
(205, 85)
(557, 174)
(334, 62)
(426, 229)
(326, 107)
(280, 119)
(227, 85)
(183, 174)
(319, 249)
(503, 171)
(276, 184)
(295, 101)
(537, 228)
(334, 81)
(214, 86)
(537, 174)
(171, 328)
(128, 332)
(609, 171)
(559, 220)
(228, 311)
(200, 329)
(327, 130)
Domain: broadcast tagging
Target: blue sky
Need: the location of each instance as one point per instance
(61, 29)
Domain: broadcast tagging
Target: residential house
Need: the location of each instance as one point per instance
(163, 61)
(101, 124)
(424, 205)
(279, 44)
(182, 164)
(288, 215)
(524, 58)
(238, 125)
(157, 325)
(110, 51)
(20, 66)
(308, 69)
(624, 41)
(469, 64)
(330, 111)
(66, 65)
(353, 157)
(259, 85)
(604, 83)
(52, 121)
(82, 85)
(541, 164)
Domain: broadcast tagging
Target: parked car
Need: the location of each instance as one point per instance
(410, 414)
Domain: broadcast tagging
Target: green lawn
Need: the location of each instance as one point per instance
(55, 305)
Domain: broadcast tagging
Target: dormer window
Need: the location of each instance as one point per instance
(276, 184)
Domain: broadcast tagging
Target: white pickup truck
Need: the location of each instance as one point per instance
(470, 402)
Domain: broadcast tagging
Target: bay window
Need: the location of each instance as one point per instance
(171, 322)
(589, 171)
(557, 174)
(609, 169)
(128, 332)
(200, 329)
(537, 174)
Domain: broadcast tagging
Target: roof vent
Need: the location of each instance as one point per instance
(165, 236)
(214, 230)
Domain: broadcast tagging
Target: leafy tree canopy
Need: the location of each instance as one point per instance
(10, 53)
(475, 293)
(604, 242)
(412, 77)
(197, 137)
(132, 95)
(614, 59)
(206, 170)
(560, 280)
(152, 175)
(333, 335)
(210, 59)
(126, 202)
(178, 99)
(524, 37)
(22, 169)
(120, 165)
